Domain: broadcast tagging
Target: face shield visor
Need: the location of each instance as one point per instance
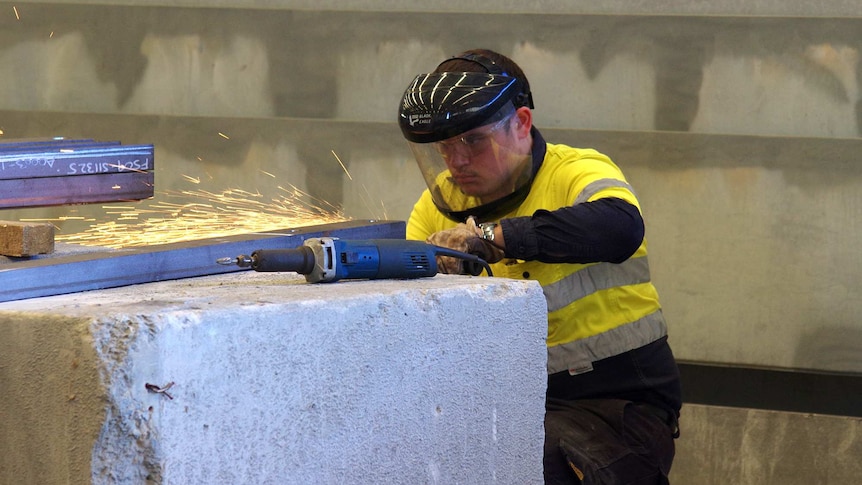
(460, 129)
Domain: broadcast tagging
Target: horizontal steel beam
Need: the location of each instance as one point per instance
(68, 271)
(86, 189)
(59, 172)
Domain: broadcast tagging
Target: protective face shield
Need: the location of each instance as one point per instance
(459, 127)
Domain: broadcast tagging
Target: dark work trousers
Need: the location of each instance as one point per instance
(606, 442)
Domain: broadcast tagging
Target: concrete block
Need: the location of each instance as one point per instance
(26, 238)
(274, 380)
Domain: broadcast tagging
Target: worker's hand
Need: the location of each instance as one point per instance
(485, 250)
(467, 239)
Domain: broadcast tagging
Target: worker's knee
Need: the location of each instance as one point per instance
(605, 441)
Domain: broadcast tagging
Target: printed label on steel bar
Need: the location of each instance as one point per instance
(57, 163)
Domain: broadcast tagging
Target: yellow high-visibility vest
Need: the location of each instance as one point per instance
(595, 310)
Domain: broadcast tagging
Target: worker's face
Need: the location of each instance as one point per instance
(484, 162)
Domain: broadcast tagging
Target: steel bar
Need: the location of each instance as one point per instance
(83, 189)
(74, 272)
(78, 157)
(26, 144)
(57, 172)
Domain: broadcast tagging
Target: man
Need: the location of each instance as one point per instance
(567, 218)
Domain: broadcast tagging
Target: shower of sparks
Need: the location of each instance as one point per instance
(202, 215)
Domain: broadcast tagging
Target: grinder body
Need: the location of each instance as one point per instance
(328, 259)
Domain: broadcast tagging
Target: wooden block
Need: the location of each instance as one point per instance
(26, 238)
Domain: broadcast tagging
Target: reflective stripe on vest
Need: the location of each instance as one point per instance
(578, 356)
(595, 187)
(595, 278)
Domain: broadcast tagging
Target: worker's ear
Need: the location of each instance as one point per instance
(524, 121)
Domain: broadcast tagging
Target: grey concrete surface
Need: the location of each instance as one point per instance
(275, 381)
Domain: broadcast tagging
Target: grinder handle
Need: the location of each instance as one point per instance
(300, 260)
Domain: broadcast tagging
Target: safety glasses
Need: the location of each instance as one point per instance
(470, 144)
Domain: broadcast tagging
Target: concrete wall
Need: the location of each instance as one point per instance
(737, 122)
(722, 445)
(275, 381)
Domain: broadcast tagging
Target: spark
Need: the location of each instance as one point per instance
(194, 180)
(17, 17)
(51, 36)
(59, 219)
(366, 200)
(342, 165)
(223, 136)
(267, 173)
(189, 215)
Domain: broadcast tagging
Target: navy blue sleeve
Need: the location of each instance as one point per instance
(605, 230)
